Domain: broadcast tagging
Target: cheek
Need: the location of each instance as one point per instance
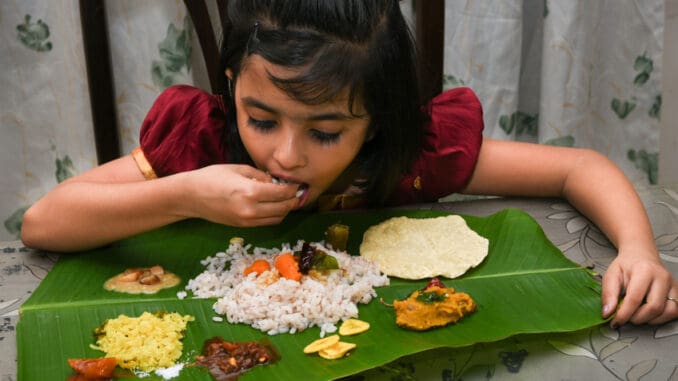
(333, 163)
(254, 144)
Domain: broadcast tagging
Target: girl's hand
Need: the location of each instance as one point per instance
(645, 285)
(237, 195)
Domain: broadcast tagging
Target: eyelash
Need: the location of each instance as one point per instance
(319, 136)
(261, 125)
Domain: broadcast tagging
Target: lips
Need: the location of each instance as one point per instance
(301, 191)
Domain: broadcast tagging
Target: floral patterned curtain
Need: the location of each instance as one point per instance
(569, 72)
(45, 120)
(564, 72)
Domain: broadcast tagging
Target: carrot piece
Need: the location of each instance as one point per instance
(258, 266)
(288, 266)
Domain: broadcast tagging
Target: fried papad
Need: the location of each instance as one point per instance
(417, 248)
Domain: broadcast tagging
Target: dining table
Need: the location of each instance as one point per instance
(601, 352)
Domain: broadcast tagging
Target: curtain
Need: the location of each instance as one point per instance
(568, 72)
(46, 132)
(564, 72)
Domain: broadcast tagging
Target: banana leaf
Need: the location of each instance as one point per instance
(525, 285)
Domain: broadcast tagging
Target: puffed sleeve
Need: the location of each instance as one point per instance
(184, 130)
(450, 149)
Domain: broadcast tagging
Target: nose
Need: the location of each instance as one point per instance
(289, 152)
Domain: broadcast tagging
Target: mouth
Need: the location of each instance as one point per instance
(302, 191)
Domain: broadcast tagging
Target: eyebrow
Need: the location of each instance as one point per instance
(252, 102)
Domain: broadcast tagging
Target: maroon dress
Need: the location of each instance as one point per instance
(185, 129)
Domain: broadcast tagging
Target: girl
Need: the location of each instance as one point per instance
(321, 110)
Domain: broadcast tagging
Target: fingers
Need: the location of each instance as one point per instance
(263, 213)
(669, 303)
(633, 299)
(240, 195)
(669, 313)
(269, 192)
(612, 287)
(264, 190)
(652, 305)
(252, 173)
(644, 289)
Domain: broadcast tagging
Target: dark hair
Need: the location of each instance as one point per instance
(364, 46)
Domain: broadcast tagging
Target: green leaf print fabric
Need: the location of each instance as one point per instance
(567, 73)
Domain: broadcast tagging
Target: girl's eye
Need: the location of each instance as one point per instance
(262, 125)
(319, 136)
(325, 137)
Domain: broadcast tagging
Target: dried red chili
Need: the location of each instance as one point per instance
(434, 282)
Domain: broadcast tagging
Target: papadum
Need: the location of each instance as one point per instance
(417, 248)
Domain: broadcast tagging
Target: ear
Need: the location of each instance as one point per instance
(229, 74)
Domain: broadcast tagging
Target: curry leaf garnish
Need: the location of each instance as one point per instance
(431, 297)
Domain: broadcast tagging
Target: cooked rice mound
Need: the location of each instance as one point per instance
(144, 343)
(273, 304)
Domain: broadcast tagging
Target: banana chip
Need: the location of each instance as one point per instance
(338, 350)
(321, 344)
(353, 327)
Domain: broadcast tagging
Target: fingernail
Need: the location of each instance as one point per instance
(606, 309)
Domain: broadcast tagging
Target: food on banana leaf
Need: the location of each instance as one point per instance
(331, 347)
(336, 236)
(144, 343)
(433, 306)
(93, 368)
(320, 344)
(353, 327)
(336, 351)
(226, 360)
(142, 280)
(287, 289)
(417, 248)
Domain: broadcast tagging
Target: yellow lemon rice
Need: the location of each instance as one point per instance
(145, 343)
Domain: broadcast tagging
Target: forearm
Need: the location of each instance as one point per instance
(81, 215)
(600, 191)
(588, 180)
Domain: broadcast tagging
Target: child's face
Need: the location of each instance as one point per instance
(306, 144)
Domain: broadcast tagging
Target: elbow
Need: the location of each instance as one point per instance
(30, 229)
(593, 163)
(590, 169)
(37, 231)
(42, 229)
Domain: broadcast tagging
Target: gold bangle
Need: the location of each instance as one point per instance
(143, 164)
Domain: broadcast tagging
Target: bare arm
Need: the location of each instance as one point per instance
(114, 201)
(599, 190)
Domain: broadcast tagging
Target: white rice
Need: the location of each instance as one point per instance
(276, 305)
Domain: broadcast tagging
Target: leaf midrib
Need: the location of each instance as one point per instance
(98, 302)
